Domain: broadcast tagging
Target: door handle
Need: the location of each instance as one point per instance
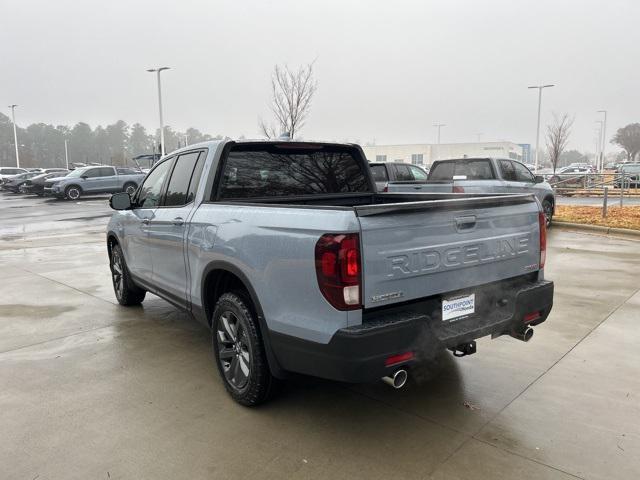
(145, 221)
(178, 221)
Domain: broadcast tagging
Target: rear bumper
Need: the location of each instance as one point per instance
(357, 354)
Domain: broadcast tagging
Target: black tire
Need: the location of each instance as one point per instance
(127, 292)
(72, 192)
(130, 188)
(547, 208)
(239, 351)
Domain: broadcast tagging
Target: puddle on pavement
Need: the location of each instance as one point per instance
(20, 310)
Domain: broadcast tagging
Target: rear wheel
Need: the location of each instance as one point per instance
(547, 208)
(239, 351)
(127, 293)
(73, 192)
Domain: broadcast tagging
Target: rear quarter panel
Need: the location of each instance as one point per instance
(274, 247)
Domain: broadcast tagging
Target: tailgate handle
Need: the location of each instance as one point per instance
(466, 223)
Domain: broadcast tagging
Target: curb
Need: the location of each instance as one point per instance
(598, 229)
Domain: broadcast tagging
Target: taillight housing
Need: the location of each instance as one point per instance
(339, 269)
(458, 189)
(542, 221)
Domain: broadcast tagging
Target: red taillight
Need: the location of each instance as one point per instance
(530, 317)
(396, 359)
(338, 269)
(542, 220)
(458, 189)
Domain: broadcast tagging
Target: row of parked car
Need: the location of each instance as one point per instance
(465, 175)
(70, 184)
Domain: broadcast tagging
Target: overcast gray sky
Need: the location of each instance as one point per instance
(386, 70)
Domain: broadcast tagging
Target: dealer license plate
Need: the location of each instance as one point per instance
(454, 308)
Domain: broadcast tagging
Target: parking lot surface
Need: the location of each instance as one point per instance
(94, 390)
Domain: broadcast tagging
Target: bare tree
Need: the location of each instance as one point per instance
(558, 137)
(628, 137)
(292, 92)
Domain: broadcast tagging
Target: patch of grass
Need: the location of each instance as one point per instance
(625, 217)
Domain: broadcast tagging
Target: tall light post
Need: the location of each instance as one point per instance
(604, 138)
(15, 133)
(157, 71)
(539, 87)
(66, 154)
(599, 143)
(439, 126)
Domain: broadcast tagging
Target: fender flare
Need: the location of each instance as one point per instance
(274, 365)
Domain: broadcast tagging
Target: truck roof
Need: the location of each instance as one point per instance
(216, 143)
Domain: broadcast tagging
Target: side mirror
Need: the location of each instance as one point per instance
(539, 179)
(120, 201)
(84, 177)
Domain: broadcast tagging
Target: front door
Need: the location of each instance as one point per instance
(168, 228)
(136, 236)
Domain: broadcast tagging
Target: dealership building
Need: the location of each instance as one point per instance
(426, 153)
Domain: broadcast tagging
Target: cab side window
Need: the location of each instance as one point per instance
(179, 190)
(150, 193)
(522, 173)
(106, 172)
(92, 173)
(508, 171)
(403, 173)
(418, 173)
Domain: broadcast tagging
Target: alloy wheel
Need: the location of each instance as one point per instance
(117, 273)
(233, 349)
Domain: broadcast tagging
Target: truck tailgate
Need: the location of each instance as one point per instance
(417, 251)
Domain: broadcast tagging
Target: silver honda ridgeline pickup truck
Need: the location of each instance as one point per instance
(295, 262)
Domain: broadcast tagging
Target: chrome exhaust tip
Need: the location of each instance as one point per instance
(397, 380)
(523, 335)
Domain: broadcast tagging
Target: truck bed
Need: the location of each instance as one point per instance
(388, 201)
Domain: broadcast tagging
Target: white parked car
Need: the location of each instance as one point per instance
(10, 171)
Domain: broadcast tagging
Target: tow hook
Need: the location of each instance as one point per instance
(464, 349)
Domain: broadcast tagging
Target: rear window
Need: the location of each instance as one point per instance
(252, 171)
(473, 169)
(379, 173)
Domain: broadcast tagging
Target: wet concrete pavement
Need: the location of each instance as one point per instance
(93, 390)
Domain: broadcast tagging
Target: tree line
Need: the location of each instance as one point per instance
(42, 145)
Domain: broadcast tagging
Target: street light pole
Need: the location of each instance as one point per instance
(438, 126)
(157, 71)
(66, 154)
(599, 142)
(539, 87)
(604, 138)
(15, 133)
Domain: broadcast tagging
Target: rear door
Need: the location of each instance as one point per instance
(509, 176)
(457, 245)
(168, 227)
(108, 180)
